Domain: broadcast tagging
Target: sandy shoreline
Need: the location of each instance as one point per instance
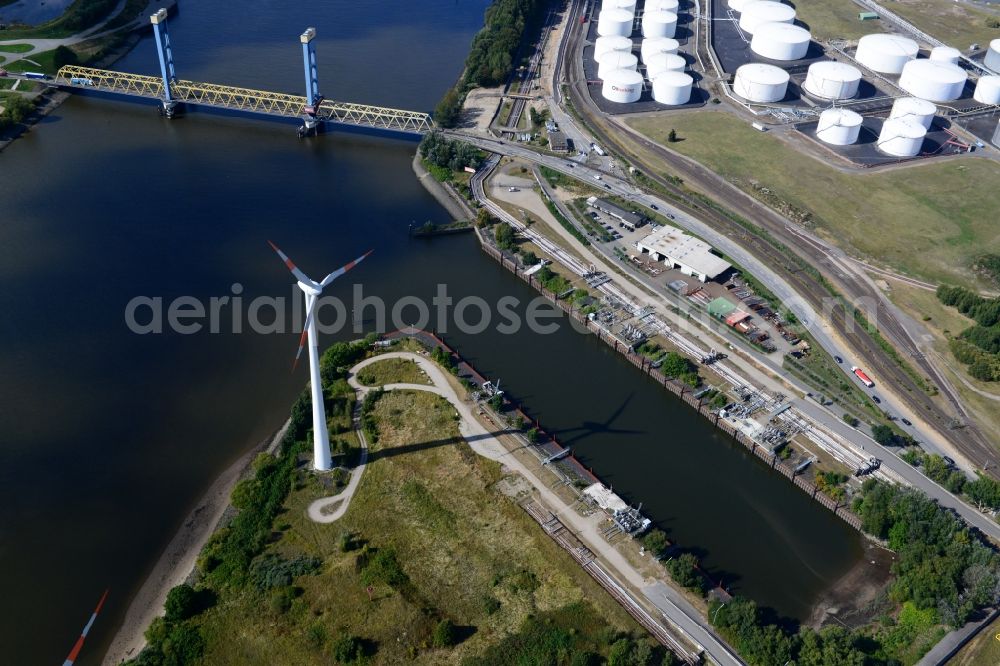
(178, 560)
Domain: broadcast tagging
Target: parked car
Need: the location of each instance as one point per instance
(906, 422)
(878, 400)
(951, 463)
(838, 359)
(654, 206)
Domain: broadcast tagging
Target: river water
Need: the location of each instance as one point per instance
(109, 438)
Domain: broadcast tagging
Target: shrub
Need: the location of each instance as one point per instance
(382, 567)
(444, 635)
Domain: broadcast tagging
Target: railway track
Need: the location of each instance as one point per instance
(793, 269)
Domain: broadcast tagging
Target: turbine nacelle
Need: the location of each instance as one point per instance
(311, 289)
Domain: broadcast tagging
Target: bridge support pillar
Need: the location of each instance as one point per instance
(309, 63)
(310, 124)
(166, 56)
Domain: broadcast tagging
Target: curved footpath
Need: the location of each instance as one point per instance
(668, 601)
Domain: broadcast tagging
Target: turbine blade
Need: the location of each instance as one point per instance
(343, 269)
(75, 652)
(296, 271)
(305, 333)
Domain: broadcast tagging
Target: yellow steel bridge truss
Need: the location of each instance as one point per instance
(242, 99)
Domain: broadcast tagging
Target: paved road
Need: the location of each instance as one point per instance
(586, 528)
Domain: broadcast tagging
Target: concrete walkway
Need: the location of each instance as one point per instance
(587, 528)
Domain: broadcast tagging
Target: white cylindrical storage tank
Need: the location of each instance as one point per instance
(780, 41)
(839, 127)
(612, 43)
(659, 24)
(885, 54)
(988, 90)
(664, 62)
(914, 109)
(993, 56)
(946, 54)
(614, 22)
(934, 80)
(758, 12)
(673, 88)
(622, 85)
(902, 138)
(613, 60)
(738, 5)
(661, 6)
(757, 82)
(651, 47)
(627, 5)
(832, 80)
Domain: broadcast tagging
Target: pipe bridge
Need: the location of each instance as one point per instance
(243, 99)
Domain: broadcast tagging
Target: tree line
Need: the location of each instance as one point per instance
(491, 56)
(979, 345)
(943, 574)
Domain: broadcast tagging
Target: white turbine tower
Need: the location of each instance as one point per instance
(312, 291)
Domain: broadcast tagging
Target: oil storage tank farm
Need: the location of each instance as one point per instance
(886, 54)
(611, 43)
(780, 41)
(933, 80)
(672, 88)
(659, 24)
(622, 85)
(987, 90)
(832, 80)
(839, 127)
(612, 60)
(757, 82)
(614, 22)
(664, 62)
(757, 12)
(915, 110)
(992, 59)
(651, 47)
(901, 138)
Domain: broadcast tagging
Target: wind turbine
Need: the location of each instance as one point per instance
(312, 291)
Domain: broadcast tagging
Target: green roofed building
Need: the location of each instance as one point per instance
(720, 308)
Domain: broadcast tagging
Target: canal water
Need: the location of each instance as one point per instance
(108, 438)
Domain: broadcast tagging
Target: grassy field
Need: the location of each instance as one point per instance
(957, 24)
(15, 48)
(392, 371)
(468, 554)
(943, 322)
(926, 220)
(983, 650)
(828, 19)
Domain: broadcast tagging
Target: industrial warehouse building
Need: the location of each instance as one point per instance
(626, 218)
(684, 252)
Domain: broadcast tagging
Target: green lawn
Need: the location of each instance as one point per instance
(469, 553)
(929, 220)
(15, 48)
(957, 24)
(828, 19)
(392, 371)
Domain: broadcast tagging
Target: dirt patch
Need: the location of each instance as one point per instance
(857, 598)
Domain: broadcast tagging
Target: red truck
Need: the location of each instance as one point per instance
(865, 379)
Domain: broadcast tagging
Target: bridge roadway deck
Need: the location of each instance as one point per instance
(242, 99)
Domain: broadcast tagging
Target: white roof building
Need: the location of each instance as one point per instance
(684, 252)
